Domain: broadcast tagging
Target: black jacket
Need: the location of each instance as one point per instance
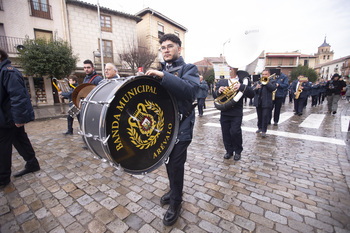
(263, 95)
(15, 105)
(305, 91)
(237, 109)
(95, 80)
(183, 85)
(334, 86)
(68, 95)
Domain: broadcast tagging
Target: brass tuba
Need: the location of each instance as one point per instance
(229, 97)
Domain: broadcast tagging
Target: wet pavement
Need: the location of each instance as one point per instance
(297, 179)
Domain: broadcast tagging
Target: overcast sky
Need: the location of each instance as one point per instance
(276, 25)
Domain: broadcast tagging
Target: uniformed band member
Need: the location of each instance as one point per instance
(231, 119)
(182, 81)
(282, 87)
(73, 81)
(91, 75)
(263, 102)
(299, 102)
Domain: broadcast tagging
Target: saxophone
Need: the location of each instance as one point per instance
(299, 90)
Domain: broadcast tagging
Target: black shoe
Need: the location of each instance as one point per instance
(172, 215)
(68, 133)
(334, 112)
(4, 183)
(258, 131)
(26, 171)
(165, 199)
(275, 124)
(263, 134)
(237, 157)
(228, 155)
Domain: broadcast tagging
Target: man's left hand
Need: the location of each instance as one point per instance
(236, 86)
(155, 73)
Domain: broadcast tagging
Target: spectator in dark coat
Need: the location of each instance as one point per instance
(15, 111)
(333, 90)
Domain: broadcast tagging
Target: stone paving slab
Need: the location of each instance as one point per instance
(279, 185)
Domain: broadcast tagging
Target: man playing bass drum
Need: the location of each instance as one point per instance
(182, 81)
(231, 119)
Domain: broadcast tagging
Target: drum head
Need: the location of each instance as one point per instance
(142, 123)
(80, 92)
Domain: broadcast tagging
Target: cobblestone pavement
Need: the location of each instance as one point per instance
(295, 180)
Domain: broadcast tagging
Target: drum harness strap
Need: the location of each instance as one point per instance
(93, 78)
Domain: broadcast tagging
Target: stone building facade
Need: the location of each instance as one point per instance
(153, 26)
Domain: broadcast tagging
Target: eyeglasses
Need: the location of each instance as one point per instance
(169, 46)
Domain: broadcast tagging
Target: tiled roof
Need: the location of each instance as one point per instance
(215, 59)
(103, 9)
(160, 15)
(333, 61)
(203, 63)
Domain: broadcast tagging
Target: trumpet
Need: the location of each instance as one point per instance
(266, 80)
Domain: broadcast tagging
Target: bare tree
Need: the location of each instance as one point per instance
(137, 56)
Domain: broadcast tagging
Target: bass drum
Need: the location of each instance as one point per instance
(132, 123)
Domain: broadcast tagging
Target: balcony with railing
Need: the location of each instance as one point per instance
(39, 9)
(10, 44)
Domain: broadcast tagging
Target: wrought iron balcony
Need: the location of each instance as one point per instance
(9, 44)
(39, 9)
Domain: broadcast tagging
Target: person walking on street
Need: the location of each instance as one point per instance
(322, 91)
(263, 101)
(334, 87)
(15, 111)
(300, 89)
(231, 118)
(280, 94)
(73, 81)
(347, 93)
(201, 95)
(315, 93)
(181, 80)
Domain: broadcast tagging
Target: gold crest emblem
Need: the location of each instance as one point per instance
(145, 124)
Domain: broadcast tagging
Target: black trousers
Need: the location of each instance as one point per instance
(176, 169)
(70, 121)
(277, 105)
(232, 133)
(314, 100)
(201, 103)
(299, 105)
(264, 116)
(19, 139)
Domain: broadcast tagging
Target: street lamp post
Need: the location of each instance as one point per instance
(223, 50)
(101, 48)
